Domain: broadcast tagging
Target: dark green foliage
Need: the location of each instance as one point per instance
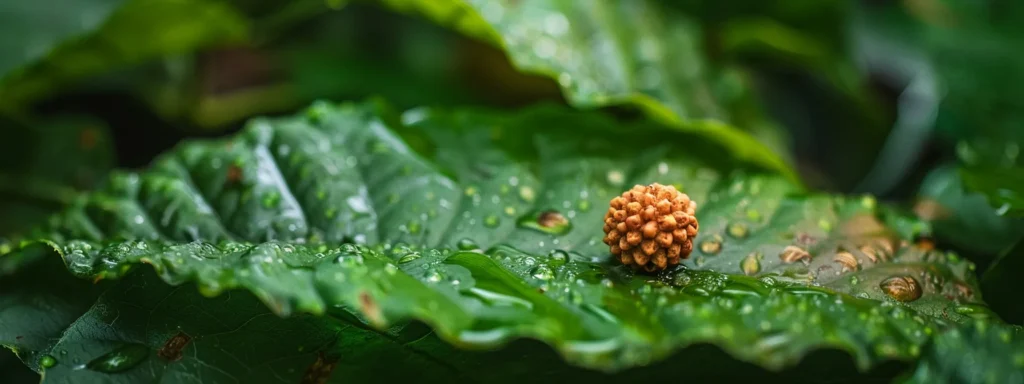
(269, 210)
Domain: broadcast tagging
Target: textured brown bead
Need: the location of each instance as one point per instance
(651, 227)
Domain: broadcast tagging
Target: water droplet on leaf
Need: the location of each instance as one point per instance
(750, 264)
(901, 288)
(548, 222)
(408, 258)
(491, 221)
(584, 205)
(413, 226)
(543, 272)
(738, 230)
(977, 311)
(271, 200)
(526, 193)
(120, 359)
(466, 245)
(712, 245)
(47, 361)
(433, 276)
(558, 257)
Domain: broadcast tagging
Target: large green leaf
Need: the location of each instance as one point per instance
(36, 305)
(486, 227)
(235, 337)
(611, 52)
(78, 38)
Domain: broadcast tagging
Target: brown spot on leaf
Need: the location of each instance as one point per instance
(371, 309)
(234, 174)
(87, 138)
(171, 351)
(320, 371)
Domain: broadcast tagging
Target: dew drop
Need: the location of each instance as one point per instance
(977, 311)
(751, 264)
(413, 227)
(527, 194)
(901, 288)
(616, 177)
(271, 200)
(543, 272)
(558, 257)
(711, 246)
(120, 359)
(584, 205)
(47, 361)
(510, 210)
(491, 221)
(551, 222)
(408, 258)
(466, 245)
(738, 230)
(433, 276)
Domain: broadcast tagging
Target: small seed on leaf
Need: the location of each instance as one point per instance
(656, 217)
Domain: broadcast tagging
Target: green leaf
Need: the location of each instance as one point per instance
(980, 353)
(234, 336)
(486, 227)
(616, 52)
(97, 35)
(1004, 188)
(1002, 287)
(972, 48)
(37, 305)
(27, 41)
(963, 218)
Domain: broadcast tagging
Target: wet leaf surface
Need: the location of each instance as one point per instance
(638, 53)
(487, 228)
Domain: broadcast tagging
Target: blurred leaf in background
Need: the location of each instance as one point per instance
(107, 35)
(975, 198)
(45, 165)
(973, 50)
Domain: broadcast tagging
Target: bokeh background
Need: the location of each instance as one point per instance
(918, 101)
